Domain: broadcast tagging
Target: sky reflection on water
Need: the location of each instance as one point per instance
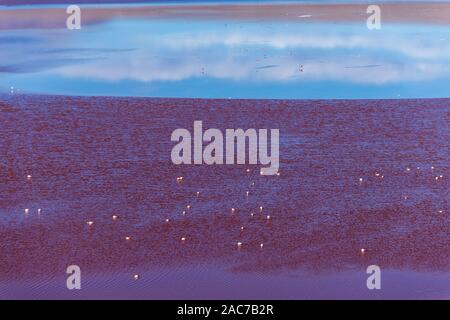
(228, 59)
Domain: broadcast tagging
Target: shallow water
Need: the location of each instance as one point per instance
(91, 158)
(211, 282)
(355, 174)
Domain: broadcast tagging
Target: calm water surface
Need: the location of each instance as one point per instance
(300, 57)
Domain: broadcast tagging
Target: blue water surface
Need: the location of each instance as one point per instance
(210, 58)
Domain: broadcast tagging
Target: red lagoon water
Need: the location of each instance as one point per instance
(365, 174)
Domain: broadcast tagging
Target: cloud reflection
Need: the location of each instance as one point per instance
(269, 53)
(328, 54)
